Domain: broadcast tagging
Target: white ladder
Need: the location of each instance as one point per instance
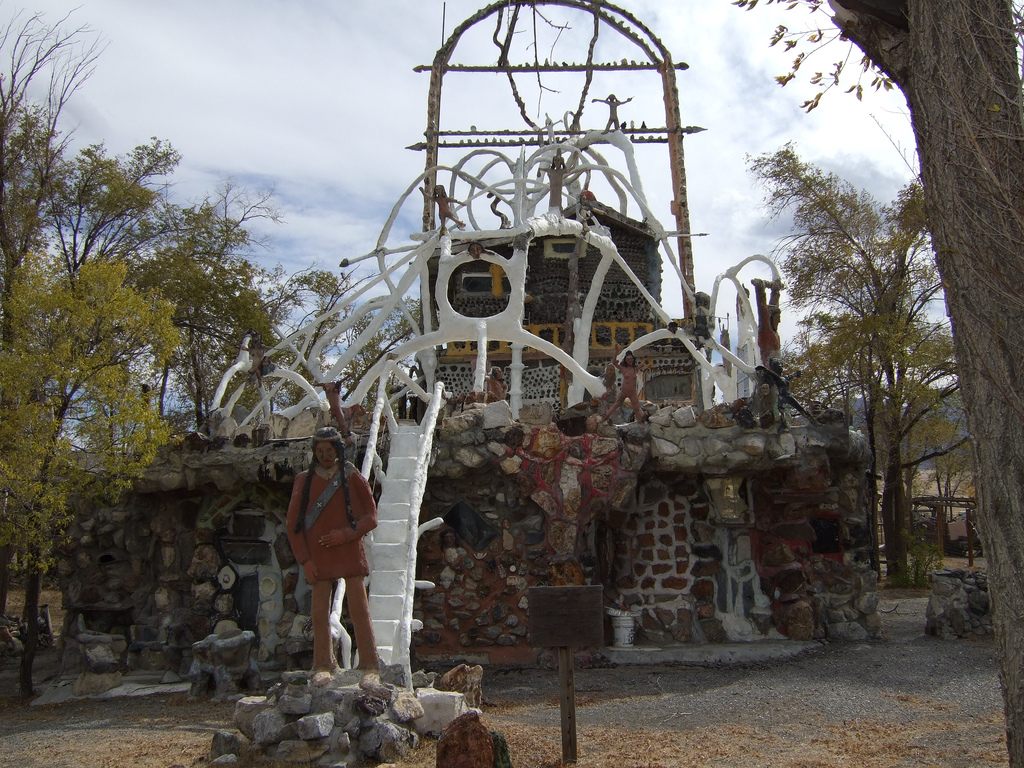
(393, 550)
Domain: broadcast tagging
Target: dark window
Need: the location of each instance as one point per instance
(826, 531)
(476, 283)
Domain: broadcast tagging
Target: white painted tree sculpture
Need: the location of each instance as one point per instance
(402, 272)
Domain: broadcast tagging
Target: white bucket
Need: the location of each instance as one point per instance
(623, 630)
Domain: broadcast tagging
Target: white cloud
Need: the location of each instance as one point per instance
(318, 99)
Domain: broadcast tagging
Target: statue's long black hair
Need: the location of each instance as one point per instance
(332, 436)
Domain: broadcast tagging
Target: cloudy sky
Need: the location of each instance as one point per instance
(317, 100)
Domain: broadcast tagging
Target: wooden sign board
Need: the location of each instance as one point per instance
(563, 617)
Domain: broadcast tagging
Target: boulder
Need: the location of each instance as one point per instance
(299, 751)
(439, 709)
(465, 743)
(406, 707)
(246, 710)
(497, 414)
(268, 726)
(387, 742)
(316, 726)
(225, 743)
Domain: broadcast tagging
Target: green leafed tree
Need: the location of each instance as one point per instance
(874, 327)
(83, 335)
(80, 418)
(50, 61)
(219, 295)
(110, 208)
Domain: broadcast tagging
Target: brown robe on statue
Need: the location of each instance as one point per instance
(344, 561)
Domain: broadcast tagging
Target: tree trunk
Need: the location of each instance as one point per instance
(956, 63)
(5, 577)
(892, 515)
(872, 480)
(31, 639)
(165, 377)
(966, 104)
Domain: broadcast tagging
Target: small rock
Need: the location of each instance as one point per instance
(298, 751)
(246, 710)
(224, 743)
(295, 705)
(315, 726)
(421, 679)
(385, 742)
(439, 709)
(267, 727)
(371, 705)
(406, 707)
(502, 758)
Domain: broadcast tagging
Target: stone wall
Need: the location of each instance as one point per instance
(199, 544)
(710, 530)
(787, 557)
(620, 299)
(529, 501)
(959, 605)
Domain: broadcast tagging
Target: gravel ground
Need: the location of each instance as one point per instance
(839, 683)
(910, 700)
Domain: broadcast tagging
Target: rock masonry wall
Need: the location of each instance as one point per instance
(630, 509)
(153, 575)
(709, 531)
(959, 604)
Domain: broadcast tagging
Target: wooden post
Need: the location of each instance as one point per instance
(566, 618)
(567, 700)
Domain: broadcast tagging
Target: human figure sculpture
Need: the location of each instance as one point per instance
(445, 211)
(556, 175)
(260, 364)
(778, 393)
(613, 110)
(627, 391)
(506, 222)
(768, 316)
(333, 391)
(701, 316)
(330, 512)
(496, 389)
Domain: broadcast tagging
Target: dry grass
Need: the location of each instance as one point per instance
(159, 732)
(856, 744)
(47, 596)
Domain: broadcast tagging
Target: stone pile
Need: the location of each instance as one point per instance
(225, 663)
(99, 658)
(354, 718)
(959, 605)
(683, 440)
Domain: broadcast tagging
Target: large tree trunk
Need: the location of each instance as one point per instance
(5, 577)
(892, 515)
(956, 63)
(31, 639)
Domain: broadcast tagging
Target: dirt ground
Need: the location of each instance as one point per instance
(910, 700)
